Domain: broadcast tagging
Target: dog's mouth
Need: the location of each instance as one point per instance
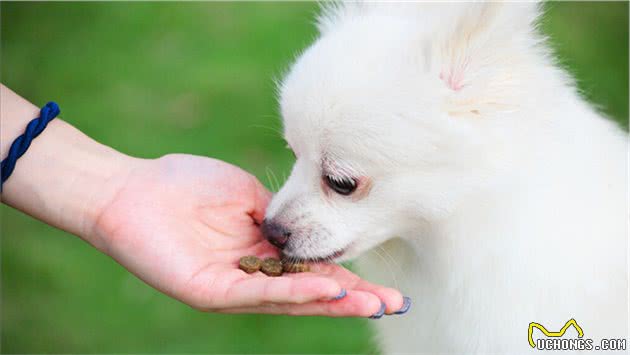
(330, 258)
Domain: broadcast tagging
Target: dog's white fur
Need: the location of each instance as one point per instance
(497, 196)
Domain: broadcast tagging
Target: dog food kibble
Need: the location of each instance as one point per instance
(249, 264)
(272, 267)
(293, 267)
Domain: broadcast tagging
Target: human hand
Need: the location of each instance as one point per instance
(181, 223)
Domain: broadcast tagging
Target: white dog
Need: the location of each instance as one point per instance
(445, 136)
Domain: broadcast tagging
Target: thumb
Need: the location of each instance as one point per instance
(261, 198)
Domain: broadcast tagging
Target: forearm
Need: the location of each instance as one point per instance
(65, 178)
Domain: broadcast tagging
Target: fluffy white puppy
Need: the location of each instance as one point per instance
(442, 138)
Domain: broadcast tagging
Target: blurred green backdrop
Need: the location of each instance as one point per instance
(156, 78)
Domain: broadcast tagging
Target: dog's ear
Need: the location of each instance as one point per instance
(484, 54)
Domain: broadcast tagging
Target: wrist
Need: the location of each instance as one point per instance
(101, 176)
(65, 178)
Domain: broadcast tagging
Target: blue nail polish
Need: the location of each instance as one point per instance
(341, 295)
(405, 307)
(380, 312)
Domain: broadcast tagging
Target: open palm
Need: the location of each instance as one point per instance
(182, 222)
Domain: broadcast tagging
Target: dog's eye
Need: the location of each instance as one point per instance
(343, 186)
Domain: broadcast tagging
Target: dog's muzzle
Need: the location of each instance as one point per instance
(276, 233)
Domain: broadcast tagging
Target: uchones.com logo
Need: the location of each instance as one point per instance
(557, 341)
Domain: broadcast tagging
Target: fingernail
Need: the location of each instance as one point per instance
(405, 307)
(380, 312)
(341, 295)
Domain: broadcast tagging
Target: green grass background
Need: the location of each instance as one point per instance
(156, 78)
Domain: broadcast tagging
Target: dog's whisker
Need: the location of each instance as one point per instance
(388, 266)
(392, 259)
(274, 130)
(269, 181)
(277, 188)
(269, 131)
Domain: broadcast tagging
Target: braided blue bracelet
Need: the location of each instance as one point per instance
(21, 143)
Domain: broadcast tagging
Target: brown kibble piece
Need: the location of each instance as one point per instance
(250, 264)
(272, 267)
(294, 267)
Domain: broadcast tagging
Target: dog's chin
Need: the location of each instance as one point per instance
(334, 257)
(347, 253)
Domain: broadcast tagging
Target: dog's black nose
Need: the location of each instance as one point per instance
(275, 233)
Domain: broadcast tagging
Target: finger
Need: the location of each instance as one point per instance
(262, 249)
(392, 298)
(255, 291)
(355, 304)
(261, 199)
